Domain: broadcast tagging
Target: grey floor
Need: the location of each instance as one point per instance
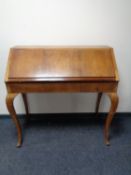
(66, 145)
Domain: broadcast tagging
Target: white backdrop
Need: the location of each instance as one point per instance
(67, 22)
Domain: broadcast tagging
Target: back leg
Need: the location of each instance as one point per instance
(24, 96)
(98, 102)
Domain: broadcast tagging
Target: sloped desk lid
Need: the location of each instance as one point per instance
(61, 64)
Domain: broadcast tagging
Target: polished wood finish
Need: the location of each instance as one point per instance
(62, 69)
(58, 64)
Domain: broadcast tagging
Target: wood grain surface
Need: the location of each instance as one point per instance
(61, 64)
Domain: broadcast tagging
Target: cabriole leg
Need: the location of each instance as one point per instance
(114, 103)
(9, 102)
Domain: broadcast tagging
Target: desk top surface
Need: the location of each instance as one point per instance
(28, 64)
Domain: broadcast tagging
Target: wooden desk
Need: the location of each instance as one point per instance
(61, 69)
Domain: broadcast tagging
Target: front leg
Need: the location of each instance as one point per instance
(114, 103)
(9, 102)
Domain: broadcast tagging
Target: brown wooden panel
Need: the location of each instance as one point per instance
(58, 64)
(62, 87)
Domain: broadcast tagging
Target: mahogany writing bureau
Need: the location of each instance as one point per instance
(61, 69)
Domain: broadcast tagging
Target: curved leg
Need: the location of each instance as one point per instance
(114, 103)
(9, 102)
(98, 102)
(24, 96)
